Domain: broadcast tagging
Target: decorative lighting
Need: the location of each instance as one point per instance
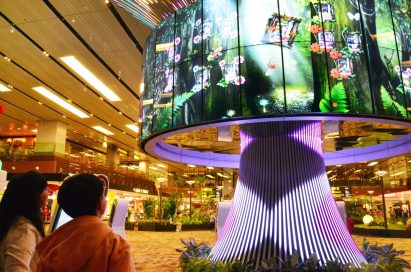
(105, 144)
(133, 128)
(4, 88)
(372, 163)
(367, 219)
(103, 130)
(61, 102)
(88, 76)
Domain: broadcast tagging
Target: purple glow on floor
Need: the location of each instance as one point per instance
(283, 199)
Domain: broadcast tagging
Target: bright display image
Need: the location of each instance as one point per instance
(245, 59)
(278, 71)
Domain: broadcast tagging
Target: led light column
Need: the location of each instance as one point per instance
(283, 200)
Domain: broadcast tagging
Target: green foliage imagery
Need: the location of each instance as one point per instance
(338, 100)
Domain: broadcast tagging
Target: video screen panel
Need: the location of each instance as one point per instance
(223, 59)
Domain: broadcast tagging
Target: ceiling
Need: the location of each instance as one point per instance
(102, 36)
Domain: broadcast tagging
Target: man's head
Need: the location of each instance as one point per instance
(82, 194)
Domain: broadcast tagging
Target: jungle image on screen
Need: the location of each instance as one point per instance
(219, 59)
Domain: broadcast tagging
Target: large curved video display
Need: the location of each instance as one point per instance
(221, 59)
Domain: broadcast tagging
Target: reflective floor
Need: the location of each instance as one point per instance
(155, 251)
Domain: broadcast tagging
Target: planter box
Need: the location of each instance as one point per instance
(198, 227)
(156, 227)
(129, 226)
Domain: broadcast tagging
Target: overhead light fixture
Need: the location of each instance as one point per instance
(161, 165)
(88, 76)
(103, 130)
(191, 165)
(104, 144)
(34, 130)
(380, 173)
(133, 128)
(210, 176)
(61, 102)
(220, 175)
(396, 174)
(372, 163)
(153, 168)
(210, 167)
(3, 88)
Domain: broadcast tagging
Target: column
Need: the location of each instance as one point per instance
(50, 139)
(283, 200)
(112, 157)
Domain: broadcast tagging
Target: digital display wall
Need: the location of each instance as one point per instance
(220, 59)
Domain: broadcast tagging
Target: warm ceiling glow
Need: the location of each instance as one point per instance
(210, 176)
(62, 103)
(34, 130)
(103, 130)
(161, 165)
(4, 88)
(210, 167)
(133, 128)
(191, 165)
(88, 76)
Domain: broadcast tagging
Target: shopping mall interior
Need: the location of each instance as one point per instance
(174, 101)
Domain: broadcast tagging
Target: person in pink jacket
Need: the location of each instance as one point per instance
(85, 243)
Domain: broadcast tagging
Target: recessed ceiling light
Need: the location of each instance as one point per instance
(103, 130)
(4, 88)
(61, 102)
(372, 163)
(133, 128)
(88, 76)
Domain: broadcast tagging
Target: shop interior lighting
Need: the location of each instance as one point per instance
(161, 165)
(88, 76)
(153, 168)
(3, 88)
(103, 130)
(61, 102)
(34, 130)
(210, 167)
(191, 165)
(210, 176)
(372, 163)
(133, 128)
(220, 175)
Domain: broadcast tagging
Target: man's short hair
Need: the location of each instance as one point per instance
(80, 194)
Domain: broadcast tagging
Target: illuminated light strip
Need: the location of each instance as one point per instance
(284, 196)
(60, 101)
(88, 76)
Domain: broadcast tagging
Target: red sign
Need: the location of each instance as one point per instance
(1, 108)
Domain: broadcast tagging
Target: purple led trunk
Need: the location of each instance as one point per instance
(283, 201)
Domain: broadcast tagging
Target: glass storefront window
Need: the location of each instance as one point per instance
(377, 194)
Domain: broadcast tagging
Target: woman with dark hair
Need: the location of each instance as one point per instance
(21, 223)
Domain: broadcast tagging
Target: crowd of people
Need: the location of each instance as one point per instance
(85, 243)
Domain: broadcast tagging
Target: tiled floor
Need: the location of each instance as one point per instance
(155, 251)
